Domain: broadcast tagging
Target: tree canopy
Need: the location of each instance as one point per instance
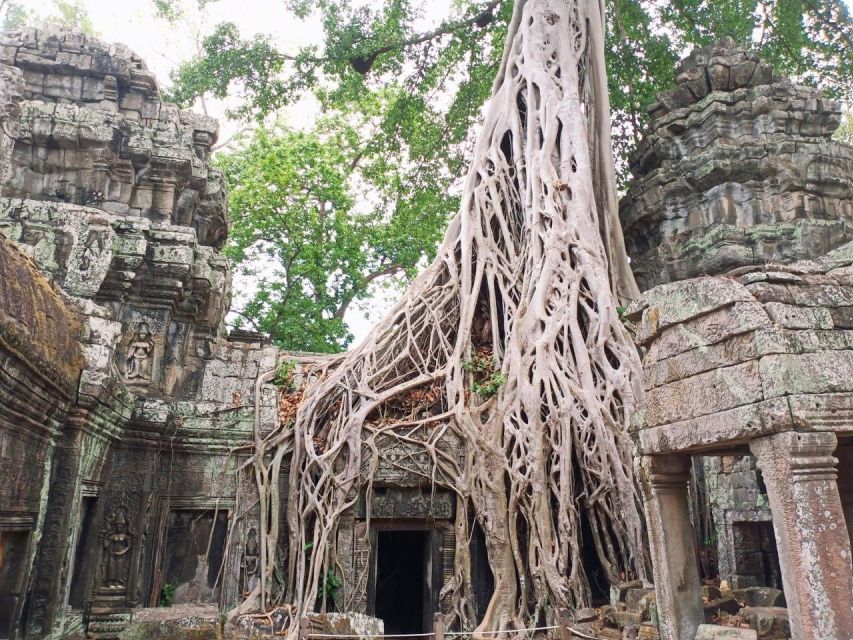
(69, 13)
(405, 99)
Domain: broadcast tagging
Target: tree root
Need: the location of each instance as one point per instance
(529, 273)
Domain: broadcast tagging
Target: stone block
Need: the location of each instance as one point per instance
(709, 329)
(770, 623)
(721, 607)
(759, 597)
(821, 372)
(585, 615)
(796, 317)
(62, 86)
(712, 392)
(710, 592)
(716, 632)
(73, 63)
(93, 89)
(722, 429)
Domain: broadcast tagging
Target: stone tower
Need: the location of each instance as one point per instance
(737, 168)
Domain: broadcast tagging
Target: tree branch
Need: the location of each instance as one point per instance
(366, 282)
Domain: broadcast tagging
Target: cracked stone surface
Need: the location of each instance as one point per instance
(737, 168)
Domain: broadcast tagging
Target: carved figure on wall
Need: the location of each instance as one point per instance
(250, 561)
(138, 365)
(94, 246)
(118, 540)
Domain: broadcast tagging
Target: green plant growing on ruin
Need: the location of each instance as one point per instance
(285, 375)
(486, 380)
(331, 585)
(167, 594)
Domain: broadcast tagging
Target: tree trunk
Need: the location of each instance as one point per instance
(513, 336)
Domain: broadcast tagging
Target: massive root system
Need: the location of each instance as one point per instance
(512, 341)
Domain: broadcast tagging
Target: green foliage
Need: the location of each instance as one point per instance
(13, 15)
(331, 585)
(296, 229)
(284, 376)
(367, 48)
(167, 594)
(69, 13)
(844, 133)
(486, 379)
(400, 103)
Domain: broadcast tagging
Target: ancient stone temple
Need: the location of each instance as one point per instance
(739, 224)
(127, 410)
(123, 406)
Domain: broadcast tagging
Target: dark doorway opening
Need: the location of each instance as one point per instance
(598, 583)
(195, 548)
(482, 579)
(77, 597)
(755, 555)
(13, 565)
(400, 580)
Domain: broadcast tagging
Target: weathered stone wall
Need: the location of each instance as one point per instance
(737, 168)
(40, 364)
(108, 195)
(736, 174)
(746, 549)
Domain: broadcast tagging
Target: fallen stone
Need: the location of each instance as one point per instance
(716, 632)
(710, 593)
(586, 615)
(649, 631)
(771, 623)
(177, 622)
(715, 608)
(634, 597)
(625, 619)
(759, 597)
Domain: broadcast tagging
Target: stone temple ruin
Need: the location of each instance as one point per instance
(126, 409)
(739, 221)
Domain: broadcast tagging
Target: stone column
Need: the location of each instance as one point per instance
(811, 536)
(673, 546)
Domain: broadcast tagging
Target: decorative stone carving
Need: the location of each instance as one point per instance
(250, 565)
(118, 540)
(110, 327)
(139, 354)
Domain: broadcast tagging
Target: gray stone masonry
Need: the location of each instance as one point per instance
(737, 168)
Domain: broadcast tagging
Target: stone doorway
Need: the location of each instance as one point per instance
(407, 575)
(194, 552)
(755, 555)
(13, 564)
(77, 594)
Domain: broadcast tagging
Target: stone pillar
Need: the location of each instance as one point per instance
(673, 546)
(814, 548)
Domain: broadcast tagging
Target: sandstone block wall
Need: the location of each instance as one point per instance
(737, 168)
(115, 292)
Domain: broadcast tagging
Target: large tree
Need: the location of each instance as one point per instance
(310, 249)
(424, 89)
(509, 343)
